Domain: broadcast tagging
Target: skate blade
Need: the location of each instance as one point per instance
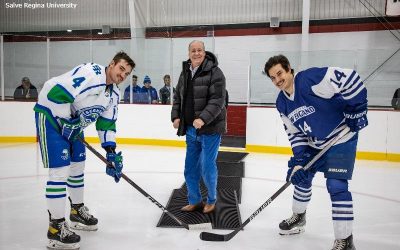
(297, 230)
(54, 244)
(83, 227)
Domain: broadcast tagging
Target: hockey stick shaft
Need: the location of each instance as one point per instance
(220, 237)
(126, 178)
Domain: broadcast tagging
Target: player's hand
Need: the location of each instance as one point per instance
(116, 170)
(296, 175)
(176, 123)
(198, 123)
(356, 117)
(71, 128)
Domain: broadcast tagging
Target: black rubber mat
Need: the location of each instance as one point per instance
(230, 156)
(224, 182)
(233, 141)
(225, 216)
(231, 168)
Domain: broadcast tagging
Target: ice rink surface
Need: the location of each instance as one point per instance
(127, 220)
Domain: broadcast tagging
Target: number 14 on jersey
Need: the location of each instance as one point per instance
(306, 129)
(339, 75)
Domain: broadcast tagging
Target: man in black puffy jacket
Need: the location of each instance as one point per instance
(199, 112)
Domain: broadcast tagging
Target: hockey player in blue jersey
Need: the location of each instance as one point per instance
(67, 104)
(315, 105)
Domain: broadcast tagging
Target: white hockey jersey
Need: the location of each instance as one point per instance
(313, 114)
(82, 92)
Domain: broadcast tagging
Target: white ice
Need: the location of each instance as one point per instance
(127, 220)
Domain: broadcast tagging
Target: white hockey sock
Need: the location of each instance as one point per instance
(75, 182)
(301, 198)
(342, 216)
(56, 191)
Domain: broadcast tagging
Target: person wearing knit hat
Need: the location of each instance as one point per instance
(26, 91)
(146, 80)
(151, 92)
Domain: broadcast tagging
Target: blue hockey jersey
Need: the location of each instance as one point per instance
(313, 114)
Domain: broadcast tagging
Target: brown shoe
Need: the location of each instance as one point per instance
(208, 208)
(191, 208)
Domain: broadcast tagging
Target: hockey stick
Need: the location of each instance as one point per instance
(203, 226)
(226, 237)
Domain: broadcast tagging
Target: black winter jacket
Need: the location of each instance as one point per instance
(209, 96)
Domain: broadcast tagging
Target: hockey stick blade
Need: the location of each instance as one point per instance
(206, 236)
(214, 237)
(226, 237)
(202, 226)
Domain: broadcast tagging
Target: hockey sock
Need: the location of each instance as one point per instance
(301, 198)
(342, 208)
(75, 182)
(56, 191)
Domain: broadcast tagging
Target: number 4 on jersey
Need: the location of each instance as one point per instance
(305, 128)
(77, 81)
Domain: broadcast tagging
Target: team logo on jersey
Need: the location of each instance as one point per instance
(64, 154)
(301, 112)
(90, 114)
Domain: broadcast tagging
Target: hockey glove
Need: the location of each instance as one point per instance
(296, 175)
(71, 128)
(356, 117)
(116, 160)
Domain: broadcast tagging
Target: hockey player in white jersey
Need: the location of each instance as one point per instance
(67, 104)
(315, 105)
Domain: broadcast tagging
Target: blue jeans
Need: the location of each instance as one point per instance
(201, 156)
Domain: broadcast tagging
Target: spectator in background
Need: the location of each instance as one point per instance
(135, 91)
(151, 92)
(26, 91)
(396, 99)
(199, 113)
(165, 92)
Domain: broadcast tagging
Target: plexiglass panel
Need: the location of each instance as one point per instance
(378, 68)
(23, 59)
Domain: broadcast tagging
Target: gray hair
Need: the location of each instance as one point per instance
(196, 41)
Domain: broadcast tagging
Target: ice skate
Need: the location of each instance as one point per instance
(293, 225)
(344, 244)
(81, 219)
(60, 236)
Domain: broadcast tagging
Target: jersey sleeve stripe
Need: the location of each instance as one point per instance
(58, 94)
(299, 144)
(349, 80)
(297, 139)
(297, 135)
(103, 124)
(353, 94)
(91, 87)
(356, 83)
